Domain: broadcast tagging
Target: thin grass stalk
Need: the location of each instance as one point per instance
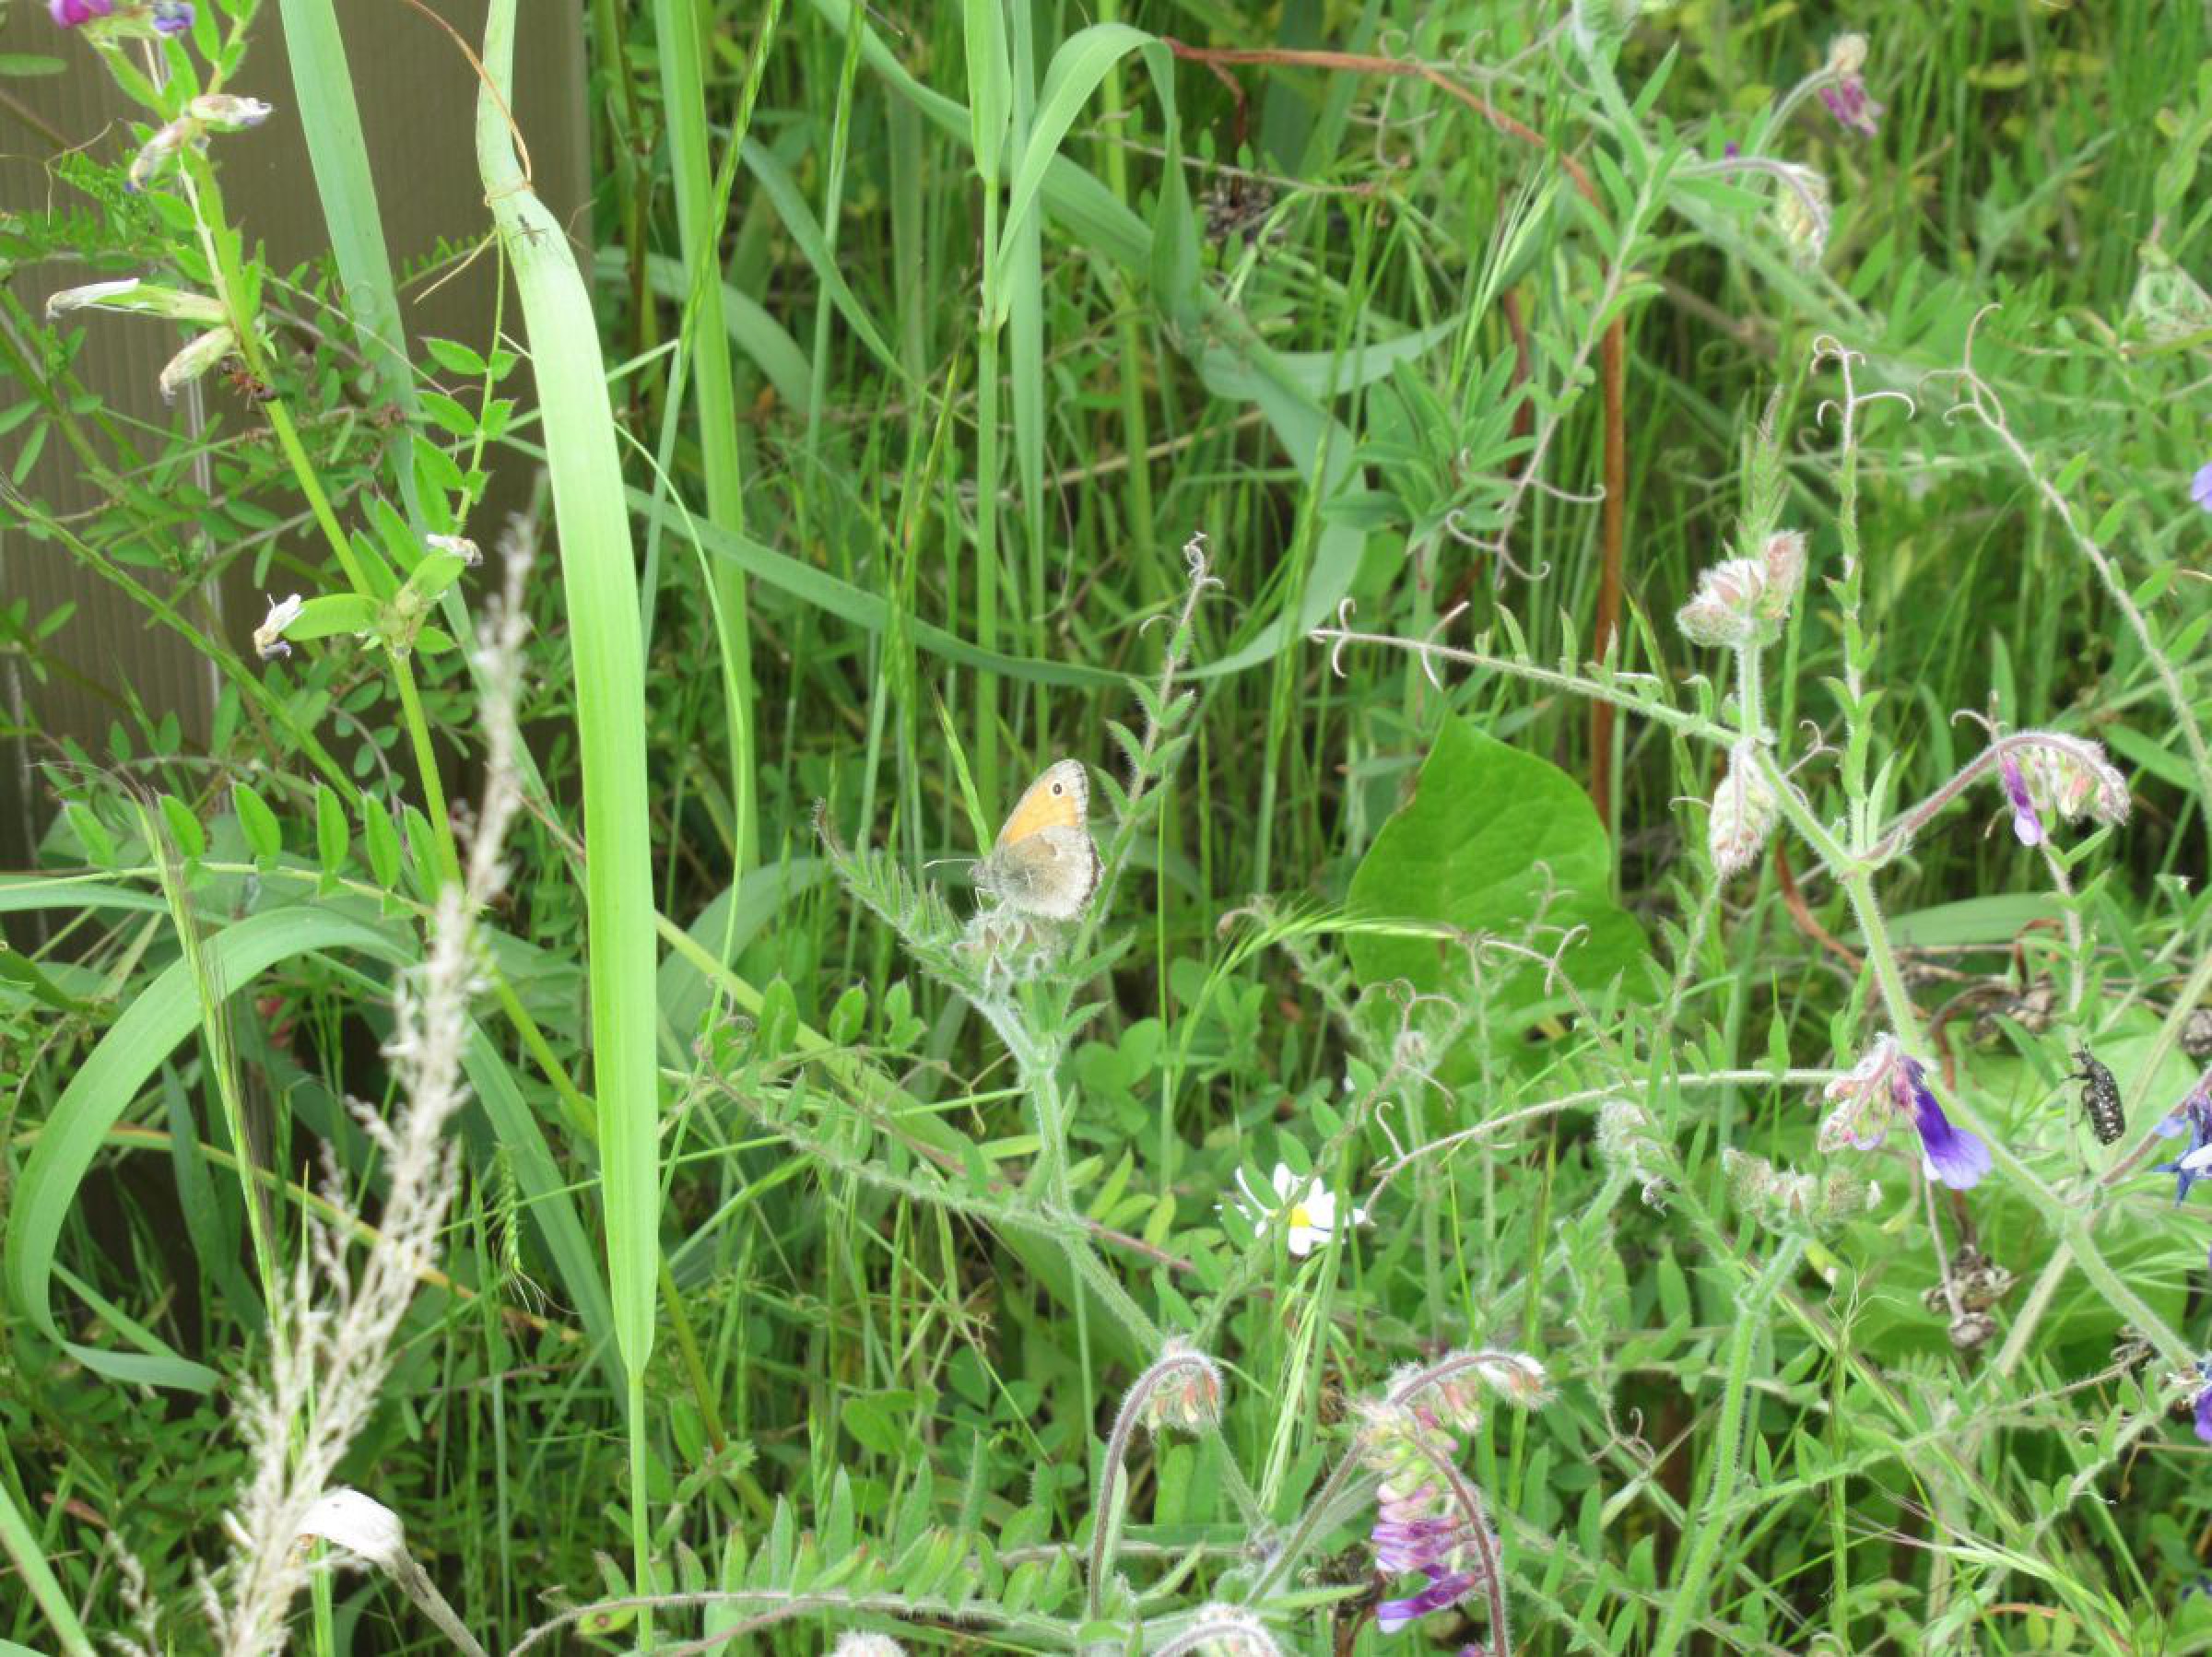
(1688, 1602)
(22, 1545)
(600, 588)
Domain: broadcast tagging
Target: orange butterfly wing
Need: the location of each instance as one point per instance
(1058, 799)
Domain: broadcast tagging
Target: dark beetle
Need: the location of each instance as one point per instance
(2099, 1098)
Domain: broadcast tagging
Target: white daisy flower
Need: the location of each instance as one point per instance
(1311, 1213)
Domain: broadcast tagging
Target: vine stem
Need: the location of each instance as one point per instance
(1104, 1525)
(1726, 1456)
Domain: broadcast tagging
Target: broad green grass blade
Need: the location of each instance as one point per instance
(166, 1012)
(331, 121)
(163, 1016)
(599, 583)
(1073, 74)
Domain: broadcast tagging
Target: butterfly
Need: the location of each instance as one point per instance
(1042, 863)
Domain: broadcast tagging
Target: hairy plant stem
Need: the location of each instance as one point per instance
(1480, 1537)
(1726, 1456)
(1105, 1516)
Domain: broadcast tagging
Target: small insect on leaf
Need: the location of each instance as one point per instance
(2099, 1098)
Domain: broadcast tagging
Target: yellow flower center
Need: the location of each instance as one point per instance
(1301, 1215)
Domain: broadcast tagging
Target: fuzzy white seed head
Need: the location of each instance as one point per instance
(853, 1642)
(1742, 818)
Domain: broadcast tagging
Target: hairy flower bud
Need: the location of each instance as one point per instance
(147, 299)
(1796, 1202)
(1802, 215)
(1724, 611)
(1742, 817)
(1628, 1140)
(1782, 558)
(1220, 1630)
(155, 153)
(1186, 1391)
(2074, 780)
(226, 111)
(195, 359)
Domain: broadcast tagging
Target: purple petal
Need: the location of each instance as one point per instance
(1413, 1544)
(2200, 486)
(2204, 1415)
(1954, 1155)
(70, 13)
(1847, 102)
(1442, 1590)
(172, 17)
(2026, 822)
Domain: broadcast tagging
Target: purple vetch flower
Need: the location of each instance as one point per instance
(138, 18)
(2204, 1414)
(2192, 1116)
(1847, 102)
(1446, 1590)
(1886, 1084)
(1419, 1525)
(2026, 823)
(1845, 96)
(1950, 1153)
(2200, 486)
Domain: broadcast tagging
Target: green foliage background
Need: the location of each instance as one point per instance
(1011, 312)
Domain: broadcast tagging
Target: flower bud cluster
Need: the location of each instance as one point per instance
(1796, 1202)
(2074, 781)
(1628, 1140)
(210, 112)
(1185, 1394)
(1744, 600)
(1454, 1391)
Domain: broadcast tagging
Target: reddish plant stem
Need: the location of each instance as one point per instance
(1612, 372)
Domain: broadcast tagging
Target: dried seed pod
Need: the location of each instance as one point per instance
(2197, 1035)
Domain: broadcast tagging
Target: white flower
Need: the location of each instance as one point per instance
(91, 293)
(461, 546)
(227, 112)
(853, 1642)
(1311, 1213)
(361, 1526)
(268, 637)
(195, 359)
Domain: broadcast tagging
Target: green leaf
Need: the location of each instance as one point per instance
(381, 840)
(333, 613)
(257, 823)
(330, 830)
(1487, 833)
(183, 827)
